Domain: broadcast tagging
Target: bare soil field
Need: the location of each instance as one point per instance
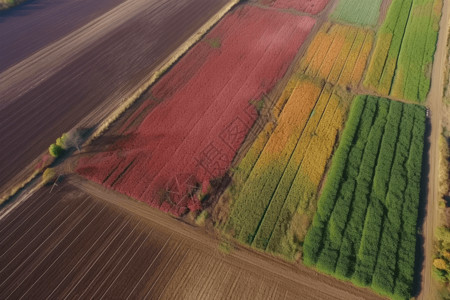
(97, 71)
(32, 25)
(70, 244)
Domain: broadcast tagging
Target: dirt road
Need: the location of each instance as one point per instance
(434, 104)
(88, 71)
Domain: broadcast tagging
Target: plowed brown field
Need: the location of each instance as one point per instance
(70, 244)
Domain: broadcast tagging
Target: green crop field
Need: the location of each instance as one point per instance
(365, 226)
(275, 186)
(360, 12)
(402, 60)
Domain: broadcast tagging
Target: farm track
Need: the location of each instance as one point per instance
(434, 103)
(85, 74)
(98, 244)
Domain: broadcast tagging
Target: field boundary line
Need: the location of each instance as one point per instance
(37, 264)
(125, 102)
(434, 102)
(161, 69)
(297, 274)
(20, 214)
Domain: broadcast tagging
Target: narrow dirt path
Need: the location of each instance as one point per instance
(435, 105)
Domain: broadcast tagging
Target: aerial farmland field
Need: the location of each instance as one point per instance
(170, 153)
(403, 55)
(365, 225)
(193, 135)
(338, 54)
(359, 12)
(280, 175)
(275, 187)
(287, 151)
(73, 244)
(308, 6)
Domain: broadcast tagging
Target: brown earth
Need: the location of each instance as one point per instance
(71, 244)
(434, 103)
(29, 27)
(87, 73)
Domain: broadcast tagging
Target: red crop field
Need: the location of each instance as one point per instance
(308, 6)
(206, 111)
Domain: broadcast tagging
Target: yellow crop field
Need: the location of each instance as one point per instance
(338, 54)
(278, 179)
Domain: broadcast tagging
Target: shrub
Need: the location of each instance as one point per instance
(201, 218)
(55, 150)
(48, 176)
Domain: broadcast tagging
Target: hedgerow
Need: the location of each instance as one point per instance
(365, 226)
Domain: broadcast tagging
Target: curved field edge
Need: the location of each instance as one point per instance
(366, 222)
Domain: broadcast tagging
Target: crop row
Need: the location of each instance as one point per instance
(359, 12)
(308, 6)
(365, 226)
(277, 181)
(205, 110)
(406, 42)
(338, 54)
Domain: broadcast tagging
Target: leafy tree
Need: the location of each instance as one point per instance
(55, 150)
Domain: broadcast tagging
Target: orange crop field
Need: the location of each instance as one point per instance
(338, 54)
(268, 150)
(275, 186)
